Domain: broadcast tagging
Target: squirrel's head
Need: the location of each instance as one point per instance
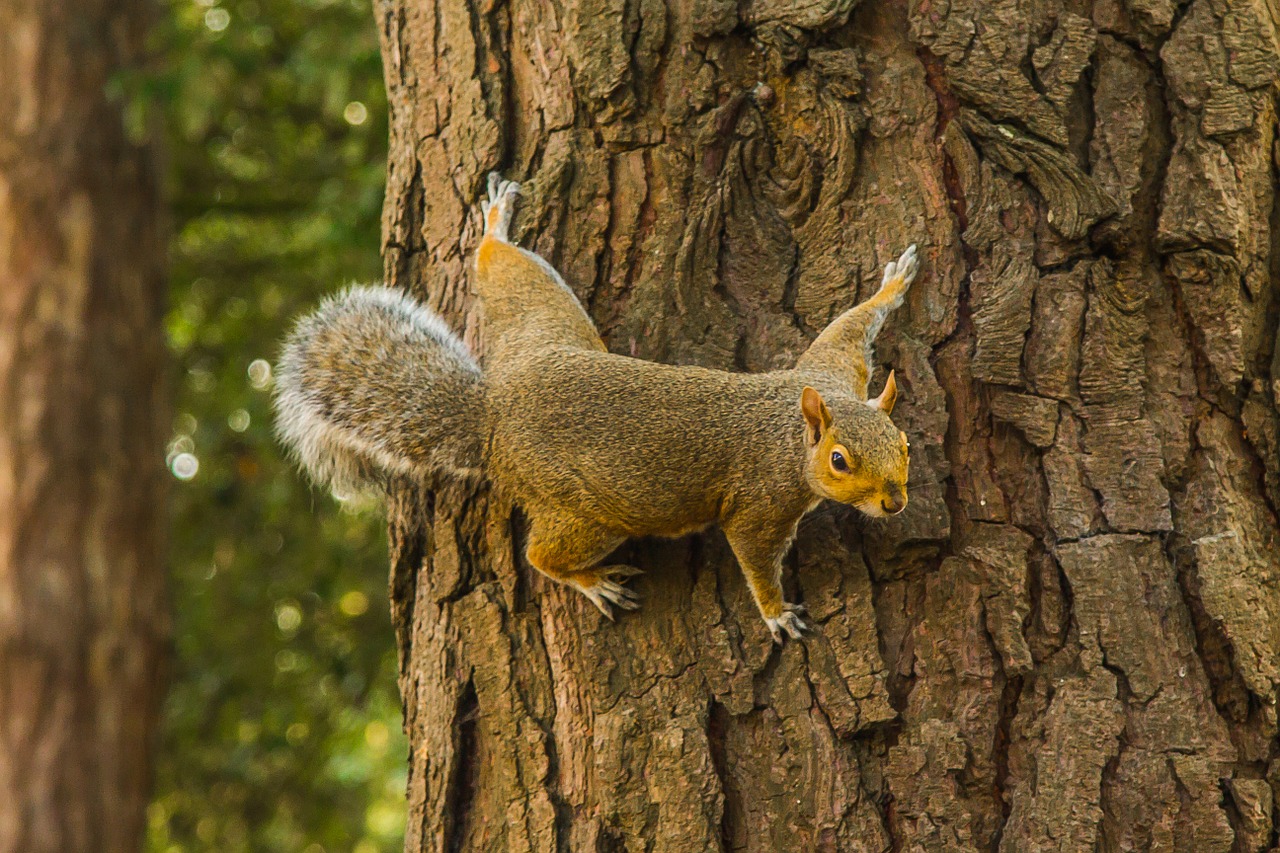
(856, 455)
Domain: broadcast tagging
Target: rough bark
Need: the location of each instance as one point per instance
(1071, 638)
(83, 621)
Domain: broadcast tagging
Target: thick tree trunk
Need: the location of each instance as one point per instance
(1071, 638)
(83, 622)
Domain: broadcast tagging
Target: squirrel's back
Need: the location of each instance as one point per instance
(643, 447)
(373, 383)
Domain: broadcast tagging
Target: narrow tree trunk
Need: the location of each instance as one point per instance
(83, 622)
(1071, 638)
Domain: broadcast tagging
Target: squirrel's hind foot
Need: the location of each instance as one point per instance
(499, 207)
(790, 620)
(899, 274)
(603, 586)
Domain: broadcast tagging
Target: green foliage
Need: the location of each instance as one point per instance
(282, 729)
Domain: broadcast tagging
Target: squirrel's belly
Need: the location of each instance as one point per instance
(645, 508)
(667, 521)
(630, 500)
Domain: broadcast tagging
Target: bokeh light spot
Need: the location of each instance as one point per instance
(353, 603)
(376, 734)
(184, 466)
(287, 661)
(238, 420)
(259, 373)
(217, 19)
(356, 113)
(288, 617)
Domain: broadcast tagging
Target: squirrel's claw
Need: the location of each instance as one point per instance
(596, 598)
(902, 270)
(608, 592)
(499, 208)
(790, 621)
(619, 595)
(908, 265)
(622, 571)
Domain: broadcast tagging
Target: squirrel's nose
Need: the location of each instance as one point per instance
(893, 505)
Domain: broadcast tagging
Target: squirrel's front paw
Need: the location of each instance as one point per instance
(790, 620)
(603, 585)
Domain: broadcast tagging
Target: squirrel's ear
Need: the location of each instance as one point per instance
(887, 397)
(817, 416)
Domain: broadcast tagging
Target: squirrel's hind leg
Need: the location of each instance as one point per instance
(846, 347)
(524, 298)
(566, 549)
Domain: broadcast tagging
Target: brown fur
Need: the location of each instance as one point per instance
(597, 447)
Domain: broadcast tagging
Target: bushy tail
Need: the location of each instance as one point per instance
(373, 384)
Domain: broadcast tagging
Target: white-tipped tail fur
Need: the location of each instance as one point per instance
(373, 384)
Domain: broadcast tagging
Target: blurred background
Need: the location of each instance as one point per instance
(282, 728)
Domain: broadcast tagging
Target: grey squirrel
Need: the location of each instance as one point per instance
(594, 447)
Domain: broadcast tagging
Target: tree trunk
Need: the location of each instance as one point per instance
(83, 619)
(1071, 638)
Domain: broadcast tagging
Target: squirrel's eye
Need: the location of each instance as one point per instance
(837, 461)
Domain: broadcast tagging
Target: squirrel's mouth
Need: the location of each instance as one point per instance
(872, 508)
(882, 508)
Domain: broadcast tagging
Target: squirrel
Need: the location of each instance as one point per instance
(593, 446)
